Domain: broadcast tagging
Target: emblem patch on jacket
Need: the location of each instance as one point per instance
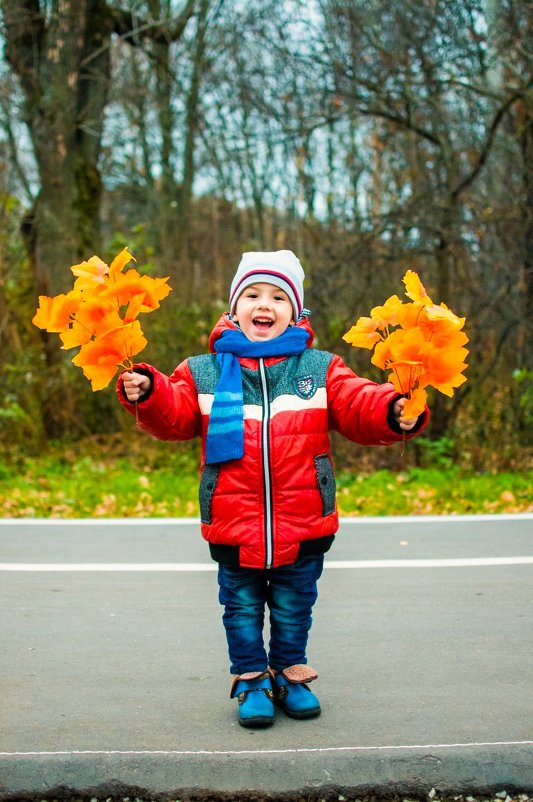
(305, 386)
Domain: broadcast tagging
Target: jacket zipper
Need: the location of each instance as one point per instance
(267, 479)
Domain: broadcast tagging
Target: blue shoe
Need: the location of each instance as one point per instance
(293, 695)
(255, 697)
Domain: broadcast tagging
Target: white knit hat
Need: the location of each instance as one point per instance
(281, 268)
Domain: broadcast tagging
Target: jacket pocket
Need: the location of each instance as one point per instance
(325, 477)
(208, 484)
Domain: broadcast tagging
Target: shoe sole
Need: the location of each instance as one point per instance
(314, 713)
(258, 722)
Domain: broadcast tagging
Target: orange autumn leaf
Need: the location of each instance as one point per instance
(55, 314)
(414, 288)
(130, 284)
(76, 334)
(363, 334)
(91, 272)
(440, 313)
(405, 375)
(120, 261)
(444, 369)
(446, 337)
(94, 317)
(94, 270)
(415, 404)
(448, 387)
(439, 367)
(405, 354)
(100, 315)
(156, 291)
(382, 354)
(42, 315)
(100, 358)
(135, 307)
(388, 314)
(408, 345)
(411, 315)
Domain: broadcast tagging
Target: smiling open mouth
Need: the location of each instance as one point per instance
(262, 322)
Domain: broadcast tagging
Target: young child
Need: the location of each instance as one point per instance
(263, 401)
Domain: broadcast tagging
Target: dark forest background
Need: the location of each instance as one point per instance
(370, 137)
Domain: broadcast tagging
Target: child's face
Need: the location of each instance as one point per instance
(263, 312)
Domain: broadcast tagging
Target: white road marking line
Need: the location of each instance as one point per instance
(466, 562)
(109, 567)
(98, 521)
(453, 562)
(172, 752)
(364, 520)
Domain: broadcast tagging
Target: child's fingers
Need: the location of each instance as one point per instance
(133, 379)
(132, 393)
(135, 385)
(404, 423)
(398, 407)
(131, 383)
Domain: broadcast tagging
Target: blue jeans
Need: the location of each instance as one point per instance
(289, 592)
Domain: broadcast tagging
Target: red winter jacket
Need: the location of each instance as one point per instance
(277, 502)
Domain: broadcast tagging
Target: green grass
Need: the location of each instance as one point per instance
(82, 487)
(431, 491)
(141, 478)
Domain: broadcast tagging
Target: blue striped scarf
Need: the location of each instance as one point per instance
(225, 431)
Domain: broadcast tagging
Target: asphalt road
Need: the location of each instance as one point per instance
(113, 668)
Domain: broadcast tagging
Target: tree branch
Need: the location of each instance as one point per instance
(12, 140)
(484, 152)
(168, 29)
(25, 28)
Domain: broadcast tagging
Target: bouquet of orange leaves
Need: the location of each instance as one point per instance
(421, 343)
(100, 315)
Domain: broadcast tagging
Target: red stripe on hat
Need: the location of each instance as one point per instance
(267, 272)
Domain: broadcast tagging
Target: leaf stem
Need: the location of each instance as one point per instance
(399, 381)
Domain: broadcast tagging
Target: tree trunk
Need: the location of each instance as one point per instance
(63, 65)
(167, 211)
(527, 272)
(189, 279)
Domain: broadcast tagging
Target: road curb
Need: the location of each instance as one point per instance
(415, 771)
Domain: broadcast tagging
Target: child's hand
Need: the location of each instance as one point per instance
(135, 385)
(404, 423)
